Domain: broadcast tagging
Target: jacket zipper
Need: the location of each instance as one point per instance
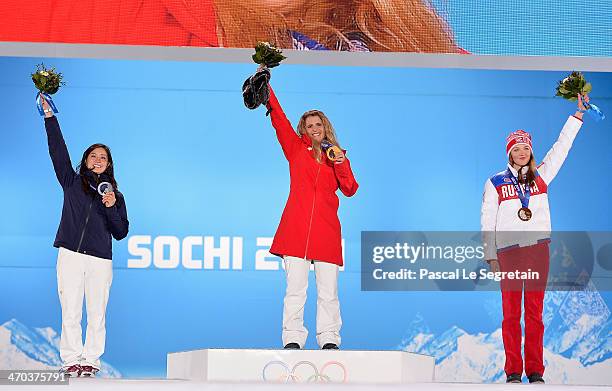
(314, 197)
(85, 226)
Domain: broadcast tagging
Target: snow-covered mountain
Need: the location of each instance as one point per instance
(38, 348)
(578, 325)
(577, 341)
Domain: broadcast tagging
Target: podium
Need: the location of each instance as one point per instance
(300, 366)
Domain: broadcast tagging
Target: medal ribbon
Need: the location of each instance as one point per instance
(523, 196)
(48, 99)
(594, 111)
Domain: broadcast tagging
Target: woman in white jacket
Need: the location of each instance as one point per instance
(515, 222)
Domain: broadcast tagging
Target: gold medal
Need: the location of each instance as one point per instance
(331, 150)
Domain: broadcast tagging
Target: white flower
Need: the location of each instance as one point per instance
(44, 73)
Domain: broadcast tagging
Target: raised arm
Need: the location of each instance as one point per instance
(488, 220)
(288, 139)
(59, 152)
(555, 157)
(346, 180)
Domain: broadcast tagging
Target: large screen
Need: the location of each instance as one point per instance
(506, 27)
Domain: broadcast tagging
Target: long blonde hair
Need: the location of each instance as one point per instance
(330, 133)
(383, 25)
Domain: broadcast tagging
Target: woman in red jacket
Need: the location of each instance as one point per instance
(309, 231)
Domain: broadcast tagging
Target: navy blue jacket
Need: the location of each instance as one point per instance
(87, 224)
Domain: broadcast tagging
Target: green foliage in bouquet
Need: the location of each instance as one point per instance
(47, 81)
(571, 86)
(268, 55)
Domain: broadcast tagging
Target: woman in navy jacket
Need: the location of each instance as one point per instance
(84, 238)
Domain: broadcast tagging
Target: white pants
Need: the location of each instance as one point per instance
(328, 305)
(81, 275)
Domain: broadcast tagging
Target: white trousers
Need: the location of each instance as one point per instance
(81, 275)
(328, 305)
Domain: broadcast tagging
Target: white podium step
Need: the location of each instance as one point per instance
(297, 366)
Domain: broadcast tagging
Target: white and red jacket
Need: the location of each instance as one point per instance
(500, 224)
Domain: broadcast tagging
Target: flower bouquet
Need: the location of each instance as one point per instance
(47, 82)
(572, 86)
(268, 55)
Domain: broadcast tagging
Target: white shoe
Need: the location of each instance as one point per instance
(89, 371)
(74, 370)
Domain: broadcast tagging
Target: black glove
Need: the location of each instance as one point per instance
(255, 89)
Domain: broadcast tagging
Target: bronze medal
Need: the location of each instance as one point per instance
(524, 214)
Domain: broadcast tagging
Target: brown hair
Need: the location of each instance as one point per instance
(383, 25)
(530, 176)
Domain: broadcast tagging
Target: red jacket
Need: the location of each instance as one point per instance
(309, 227)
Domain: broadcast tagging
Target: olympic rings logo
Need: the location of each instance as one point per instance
(303, 371)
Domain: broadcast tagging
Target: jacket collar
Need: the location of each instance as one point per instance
(95, 179)
(306, 140)
(515, 172)
(324, 159)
